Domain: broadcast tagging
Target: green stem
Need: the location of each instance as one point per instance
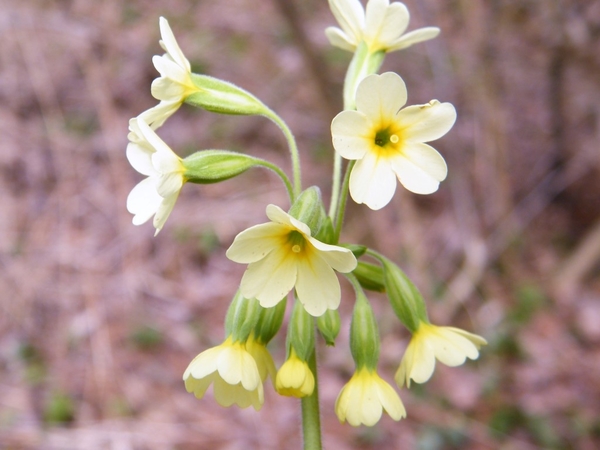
(311, 420)
(282, 175)
(339, 220)
(335, 185)
(293, 150)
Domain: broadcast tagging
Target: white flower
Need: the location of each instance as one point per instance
(382, 27)
(451, 346)
(282, 254)
(233, 371)
(175, 81)
(363, 399)
(157, 194)
(388, 141)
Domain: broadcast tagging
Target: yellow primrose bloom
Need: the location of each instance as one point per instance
(233, 371)
(451, 346)
(389, 142)
(175, 81)
(294, 378)
(157, 194)
(363, 399)
(382, 26)
(282, 255)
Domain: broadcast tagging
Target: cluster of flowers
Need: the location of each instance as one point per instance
(298, 251)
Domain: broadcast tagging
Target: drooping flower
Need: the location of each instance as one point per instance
(294, 378)
(363, 399)
(232, 370)
(382, 26)
(389, 142)
(451, 346)
(157, 194)
(175, 81)
(262, 357)
(282, 255)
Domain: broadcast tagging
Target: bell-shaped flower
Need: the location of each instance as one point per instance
(262, 357)
(157, 194)
(294, 378)
(282, 255)
(363, 399)
(175, 82)
(232, 370)
(382, 26)
(389, 142)
(451, 346)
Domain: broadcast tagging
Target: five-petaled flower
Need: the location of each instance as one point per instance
(382, 26)
(157, 194)
(233, 370)
(282, 255)
(175, 81)
(389, 142)
(294, 378)
(451, 346)
(363, 399)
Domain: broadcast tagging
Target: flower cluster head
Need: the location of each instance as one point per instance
(388, 142)
(157, 194)
(451, 346)
(381, 26)
(282, 255)
(236, 369)
(364, 398)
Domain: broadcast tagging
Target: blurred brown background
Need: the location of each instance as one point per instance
(99, 319)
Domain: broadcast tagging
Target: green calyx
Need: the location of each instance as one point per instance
(242, 316)
(300, 333)
(269, 322)
(370, 276)
(222, 97)
(364, 334)
(213, 166)
(329, 326)
(308, 208)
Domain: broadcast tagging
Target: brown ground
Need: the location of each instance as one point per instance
(99, 319)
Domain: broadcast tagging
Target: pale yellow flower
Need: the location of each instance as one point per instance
(389, 142)
(294, 378)
(451, 346)
(263, 359)
(282, 255)
(232, 370)
(363, 399)
(175, 81)
(382, 26)
(157, 194)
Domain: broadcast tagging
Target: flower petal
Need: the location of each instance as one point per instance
(414, 37)
(140, 158)
(423, 178)
(271, 278)
(170, 44)
(256, 242)
(351, 134)
(339, 39)
(278, 215)
(340, 258)
(350, 14)
(390, 400)
(393, 24)
(164, 211)
(143, 201)
(317, 286)
(379, 97)
(424, 123)
(372, 182)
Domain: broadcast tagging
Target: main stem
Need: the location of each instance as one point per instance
(311, 419)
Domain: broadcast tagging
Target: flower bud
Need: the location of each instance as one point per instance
(326, 233)
(329, 325)
(213, 166)
(269, 322)
(405, 298)
(242, 316)
(308, 208)
(223, 97)
(370, 276)
(300, 334)
(357, 250)
(364, 334)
